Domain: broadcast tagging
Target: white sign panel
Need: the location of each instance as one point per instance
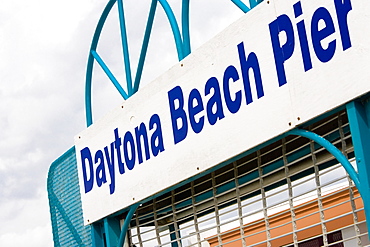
(282, 64)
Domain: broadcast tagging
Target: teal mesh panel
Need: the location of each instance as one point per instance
(65, 203)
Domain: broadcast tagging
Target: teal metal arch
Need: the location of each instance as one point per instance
(182, 42)
(333, 150)
(126, 224)
(359, 122)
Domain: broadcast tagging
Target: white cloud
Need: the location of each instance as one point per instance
(44, 47)
(25, 221)
(43, 57)
(34, 237)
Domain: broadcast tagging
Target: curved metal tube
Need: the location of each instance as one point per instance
(241, 5)
(110, 74)
(126, 223)
(144, 46)
(174, 27)
(182, 45)
(126, 57)
(185, 27)
(333, 150)
(90, 63)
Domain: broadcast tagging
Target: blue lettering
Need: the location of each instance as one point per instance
(157, 138)
(141, 132)
(246, 65)
(324, 55)
(88, 182)
(282, 37)
(129, 150)
(110, 162)
(306, 57)
(214, 102)
(232, 105)
(281, 52)
(343, 7)
(194, 96)
(178, 113)
(100, 170)
(117, 145)
(130, 143)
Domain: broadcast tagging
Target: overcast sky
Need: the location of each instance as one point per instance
(44, 46)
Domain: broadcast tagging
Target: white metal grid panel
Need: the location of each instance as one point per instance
(290, 193)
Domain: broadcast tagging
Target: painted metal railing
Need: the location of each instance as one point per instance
(182, 42)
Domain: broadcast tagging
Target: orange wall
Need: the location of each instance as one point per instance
(334, 205)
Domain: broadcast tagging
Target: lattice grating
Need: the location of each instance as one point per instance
(290, 193)
(65, 203)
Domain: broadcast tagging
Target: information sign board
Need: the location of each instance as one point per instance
(282, 64)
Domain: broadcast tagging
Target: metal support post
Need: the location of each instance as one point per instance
(359, 121)
(112, 231)
(97, 235)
